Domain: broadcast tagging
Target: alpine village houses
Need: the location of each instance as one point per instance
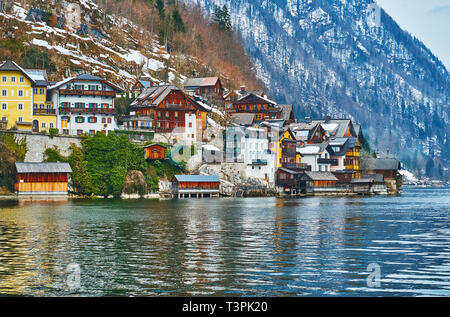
(263, 139)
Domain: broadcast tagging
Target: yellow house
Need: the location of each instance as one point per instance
(17, 97)
(275, 146)
(44, 114)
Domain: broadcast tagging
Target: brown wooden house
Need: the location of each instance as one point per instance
(204, 86)
(164, 108)
(318, 182)
(141, 84)
(42, 178)
(155, 151)
(195, 185)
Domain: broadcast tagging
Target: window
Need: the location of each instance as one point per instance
(190, 124)
(22, 79)
(3, 118)
(35, 91)
(19, 119)
(103, 120)
(109, 120)
(79, 119)
(4, 107)
(42, 91)
(51, 125)
(4, 79)
(79, 132)
(13, 79)
(20, 93)
(43, 125)
(20, 106)
(4, 93)
(92, 119)
(66, 131)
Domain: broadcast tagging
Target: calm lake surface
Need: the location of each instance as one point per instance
(229, 247)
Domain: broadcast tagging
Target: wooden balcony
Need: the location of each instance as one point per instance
(100, 93)
(44, 111)
(87, 110)
(296, 166)
(333, 162)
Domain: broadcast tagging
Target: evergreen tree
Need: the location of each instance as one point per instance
(178, 23)
(222, 18)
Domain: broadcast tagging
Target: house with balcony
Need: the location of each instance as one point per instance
(262, 107)
(318, 156)
(250, 146)
(168, 110)
(85, 104)
(23, 99)
(347, 155)
(44, 112)
(205, 86)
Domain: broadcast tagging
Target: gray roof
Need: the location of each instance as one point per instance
(197, 178)
(289, 170)
(242, 118)
(200, 82)
(385, 163)
(153, 96)
(342, 125)
(43, 168)
(88, 77)
(321, 176)
(10, 65)
(286, 111)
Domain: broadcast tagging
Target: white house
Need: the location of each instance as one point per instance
(85, 104)
(251, 146)
(318, 156)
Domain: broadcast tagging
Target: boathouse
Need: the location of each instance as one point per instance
(313, 182)
(155, 151)
(42, 178)
(198, 186)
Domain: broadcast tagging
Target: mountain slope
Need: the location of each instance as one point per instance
(325, 58)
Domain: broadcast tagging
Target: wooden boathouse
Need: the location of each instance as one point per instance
(42, 178)
(198, 186)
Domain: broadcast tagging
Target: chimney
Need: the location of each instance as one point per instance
(308, 119)
(328, 118)
(242, 89)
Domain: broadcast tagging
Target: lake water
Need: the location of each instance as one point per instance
(318, 246)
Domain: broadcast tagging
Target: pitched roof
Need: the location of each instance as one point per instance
(320, 176)
(39, 76)
(200, 82)
(85, 77)
(43, 167)
(197, 178)
(153, 96)
(314, 149)
(256, 97)
(286, 111)
(10, 65)
(242, 118)
(340, 129)
(384, 163)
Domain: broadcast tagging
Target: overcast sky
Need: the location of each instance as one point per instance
(428, 20)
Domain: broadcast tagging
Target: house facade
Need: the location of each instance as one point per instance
(204, 86)
(23, 99)
(85, 105)
(167, 109)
